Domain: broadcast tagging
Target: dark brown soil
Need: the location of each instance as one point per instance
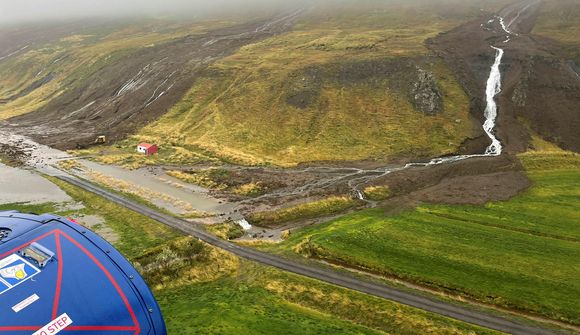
(474, 181)
(479, 189)
(129, 92)
(539, 87)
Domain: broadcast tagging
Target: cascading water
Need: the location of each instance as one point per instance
(358, 177)
(493, 88)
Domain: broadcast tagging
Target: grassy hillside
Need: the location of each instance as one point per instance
(560, 20)
(338, 87)
(521, 254)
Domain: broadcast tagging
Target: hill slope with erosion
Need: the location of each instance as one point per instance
(541, 91)
(347, 84)
(113, 80)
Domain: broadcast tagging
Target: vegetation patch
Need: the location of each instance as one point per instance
(310, 210)
(377, 193)
(184, 261)
(8, 160)
(213, 178)
(304, 96)
(217, 179)
(69, 165)
(553, 160)
(34, 208)
(227, 230)
(521, 254)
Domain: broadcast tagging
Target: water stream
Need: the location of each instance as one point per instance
(493, 88)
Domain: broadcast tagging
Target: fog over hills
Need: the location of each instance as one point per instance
(34, 10)
(26, 11)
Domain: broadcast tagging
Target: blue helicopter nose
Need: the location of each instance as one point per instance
(58, 276)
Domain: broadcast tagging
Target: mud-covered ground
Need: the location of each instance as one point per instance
(19, 39)
(22, 186)
(137, 88)
(539, 86)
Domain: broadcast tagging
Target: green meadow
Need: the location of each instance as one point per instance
(204, 290)
(522, 254)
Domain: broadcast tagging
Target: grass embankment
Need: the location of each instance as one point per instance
(228, 230)
(522, 254)
(221, 180)
(335, 88)
(377, 193)
(206, 291)
(310, 210)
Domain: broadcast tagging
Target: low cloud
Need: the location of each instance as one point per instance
(13, 11)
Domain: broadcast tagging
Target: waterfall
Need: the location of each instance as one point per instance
(492, 90)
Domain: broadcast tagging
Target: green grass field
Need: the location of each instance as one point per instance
(282, 304)
(230, 307)
(204, 290)
(522, 254)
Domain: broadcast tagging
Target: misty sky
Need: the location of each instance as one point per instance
(32, 10)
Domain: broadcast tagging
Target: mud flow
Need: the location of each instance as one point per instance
(136, 89)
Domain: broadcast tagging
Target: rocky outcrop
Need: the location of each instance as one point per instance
(304, 88)
(519, 96)
(575, 67)
(425, 93)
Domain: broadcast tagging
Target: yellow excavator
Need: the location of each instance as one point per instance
(101, 140)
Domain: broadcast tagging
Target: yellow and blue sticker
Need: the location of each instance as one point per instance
(14, 270)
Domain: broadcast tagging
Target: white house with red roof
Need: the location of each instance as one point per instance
(147, 148)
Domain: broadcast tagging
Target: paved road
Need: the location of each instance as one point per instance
(326, 275)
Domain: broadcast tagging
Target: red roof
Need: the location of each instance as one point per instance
(146, 145)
